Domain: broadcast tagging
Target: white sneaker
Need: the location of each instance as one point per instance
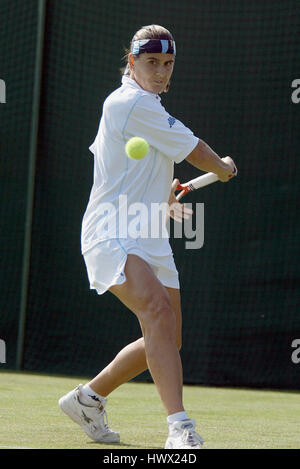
(182, 435)
(93, 420)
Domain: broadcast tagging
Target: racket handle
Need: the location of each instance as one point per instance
(205, 180)
(198, 182)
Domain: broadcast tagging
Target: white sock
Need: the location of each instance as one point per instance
(89, 397)
(178, 416)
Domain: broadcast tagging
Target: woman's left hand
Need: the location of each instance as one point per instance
(177, 210)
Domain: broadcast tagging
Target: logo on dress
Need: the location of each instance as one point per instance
(171, 121)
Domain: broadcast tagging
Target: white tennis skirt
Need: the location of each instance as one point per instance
(106, 262)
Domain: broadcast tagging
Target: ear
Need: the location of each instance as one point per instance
(130, 61)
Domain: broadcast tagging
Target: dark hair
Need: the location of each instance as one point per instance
(152, 31)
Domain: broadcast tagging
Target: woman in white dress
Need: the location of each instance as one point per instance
(140, 270)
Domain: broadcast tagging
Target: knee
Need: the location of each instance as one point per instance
(160, 316)
(160, 310)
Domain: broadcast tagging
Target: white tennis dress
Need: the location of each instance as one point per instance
(123, 216)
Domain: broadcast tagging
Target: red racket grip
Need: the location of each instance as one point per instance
(183, 188)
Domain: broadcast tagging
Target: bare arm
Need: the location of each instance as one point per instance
(205, 159)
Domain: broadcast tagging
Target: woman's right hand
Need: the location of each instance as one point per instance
(229, 171)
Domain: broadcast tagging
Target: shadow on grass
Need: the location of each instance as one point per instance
(120, 445)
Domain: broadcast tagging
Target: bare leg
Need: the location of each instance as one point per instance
(131, 360)
(158, 310)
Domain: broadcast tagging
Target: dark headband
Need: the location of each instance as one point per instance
(165, 46)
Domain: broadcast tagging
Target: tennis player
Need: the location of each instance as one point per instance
(141, 271)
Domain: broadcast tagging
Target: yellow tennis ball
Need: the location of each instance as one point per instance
(137, 148)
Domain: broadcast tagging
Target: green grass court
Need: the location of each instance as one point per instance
(226, 418)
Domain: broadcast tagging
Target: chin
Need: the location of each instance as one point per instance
(158, 89)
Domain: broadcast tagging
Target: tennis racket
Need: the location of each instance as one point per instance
(203, 180)
(197, 183)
